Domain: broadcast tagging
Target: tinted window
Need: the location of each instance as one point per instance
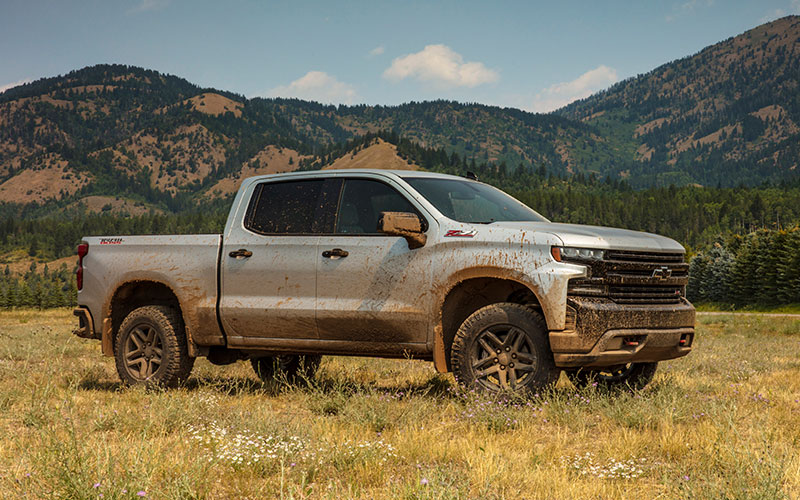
(284, 207)
(468, 201)
(362, 203)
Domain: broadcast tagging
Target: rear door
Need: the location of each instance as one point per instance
(269, 261)
(370, 286)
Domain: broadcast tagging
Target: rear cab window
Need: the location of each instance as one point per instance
(288, 207)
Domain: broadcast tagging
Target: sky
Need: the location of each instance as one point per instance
(536, 56)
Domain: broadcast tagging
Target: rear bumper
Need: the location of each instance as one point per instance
(85, 325)
(600, 332)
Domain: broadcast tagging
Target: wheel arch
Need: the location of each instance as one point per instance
(130, 295)
(471, 290)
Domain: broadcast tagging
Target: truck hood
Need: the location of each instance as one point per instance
(576, 235)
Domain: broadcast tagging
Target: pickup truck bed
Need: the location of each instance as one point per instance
(185, 266)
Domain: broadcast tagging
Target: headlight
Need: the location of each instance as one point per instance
(572, 253)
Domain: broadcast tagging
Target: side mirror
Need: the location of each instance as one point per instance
(404, 224)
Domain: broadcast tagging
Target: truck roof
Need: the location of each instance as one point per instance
(349, 171)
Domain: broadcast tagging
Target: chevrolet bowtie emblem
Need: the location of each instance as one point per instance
(662, 273)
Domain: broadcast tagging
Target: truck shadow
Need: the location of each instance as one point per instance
(435, 387)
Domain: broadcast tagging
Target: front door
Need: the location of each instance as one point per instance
(370, 286)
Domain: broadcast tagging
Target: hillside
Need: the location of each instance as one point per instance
(155, 139)
(728, 114)
(381, 154)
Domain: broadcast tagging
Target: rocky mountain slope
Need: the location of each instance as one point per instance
(727, 115)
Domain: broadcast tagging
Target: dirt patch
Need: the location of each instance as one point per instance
(648, 127)
(772, 111)
(379, 155)
(644, 152)
(270, 160)
(714, 138)
(779, 125)
(563, 152)
(124, 78)
(215, 104)
(593, 116)
(18, 266)
(48, 178)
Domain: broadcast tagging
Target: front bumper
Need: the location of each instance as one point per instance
(600, 332)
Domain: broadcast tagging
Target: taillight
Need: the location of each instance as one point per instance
(83, 249)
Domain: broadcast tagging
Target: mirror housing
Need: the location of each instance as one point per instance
(403, 224)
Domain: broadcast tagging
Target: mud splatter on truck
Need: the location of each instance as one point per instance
(389, 264)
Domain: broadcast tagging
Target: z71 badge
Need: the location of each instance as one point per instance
(110, 241)
(460, 234)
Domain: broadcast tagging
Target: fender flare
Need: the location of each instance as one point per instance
(439, 347)
(107, 337)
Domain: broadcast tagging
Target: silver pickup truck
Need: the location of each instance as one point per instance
(389, 264)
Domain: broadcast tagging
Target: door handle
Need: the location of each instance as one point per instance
(241, 253)
(336, 252)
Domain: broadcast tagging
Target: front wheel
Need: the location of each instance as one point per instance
(151, 348)
(504, 347)
(634, 376)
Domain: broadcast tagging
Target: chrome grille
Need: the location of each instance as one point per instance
(636, 278)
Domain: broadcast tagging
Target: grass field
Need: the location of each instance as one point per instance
(722, 423)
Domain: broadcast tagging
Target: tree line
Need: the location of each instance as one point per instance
(761, 268)
(41, 290)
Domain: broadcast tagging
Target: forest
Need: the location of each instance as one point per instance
(743, 242)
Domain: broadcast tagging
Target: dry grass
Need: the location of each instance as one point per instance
(379, 155)
(50, 178)
(722, 423)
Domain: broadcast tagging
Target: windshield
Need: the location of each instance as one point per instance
(474, 202)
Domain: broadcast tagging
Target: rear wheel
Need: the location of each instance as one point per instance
(293, 367)
(504, 347)
(633, 376)
(151, 348)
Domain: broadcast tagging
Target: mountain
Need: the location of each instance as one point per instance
(729, 114)
(125, 139)
(113, 130)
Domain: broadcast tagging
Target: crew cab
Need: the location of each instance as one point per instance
(389, 264)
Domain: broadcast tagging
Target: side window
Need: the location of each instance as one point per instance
(361, 205)
(284, 207)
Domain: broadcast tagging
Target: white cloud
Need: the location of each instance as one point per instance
(148, 5)
(380, 49)
(317, 86)
(440, 65)
(561, 94)
(11, 85)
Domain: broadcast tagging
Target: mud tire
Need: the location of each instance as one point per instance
(294, 368)
(515, 330)
(633, 376)
(164, 327)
